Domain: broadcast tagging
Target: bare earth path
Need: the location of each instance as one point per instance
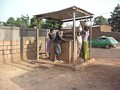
(102, 75)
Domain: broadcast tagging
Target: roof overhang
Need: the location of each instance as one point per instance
(66, 14)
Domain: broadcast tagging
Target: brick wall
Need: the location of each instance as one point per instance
(29, 51)
(11, 50)
(95, 32)
(19, 43)
(116, 35)
(104, 30)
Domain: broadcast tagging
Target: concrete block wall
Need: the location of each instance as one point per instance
(29, 50)
(19, 43)
(9, 51)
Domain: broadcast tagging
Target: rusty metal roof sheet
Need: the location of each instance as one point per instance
(65, 14)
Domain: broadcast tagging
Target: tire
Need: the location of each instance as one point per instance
(107, 46)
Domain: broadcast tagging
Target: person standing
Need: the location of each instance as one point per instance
(79, 40)
(79, 43)
(57, 43)
(49, 40)
(85, 45)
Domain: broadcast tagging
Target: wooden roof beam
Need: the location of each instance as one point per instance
(80, 18)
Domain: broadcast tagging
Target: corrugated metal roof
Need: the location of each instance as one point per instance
(65, 14)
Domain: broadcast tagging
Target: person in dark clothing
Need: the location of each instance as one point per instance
(57, 42)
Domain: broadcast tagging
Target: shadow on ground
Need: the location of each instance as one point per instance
(92, 77)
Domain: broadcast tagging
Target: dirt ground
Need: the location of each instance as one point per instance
(101, 75)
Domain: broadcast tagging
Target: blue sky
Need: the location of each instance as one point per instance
(14, 8)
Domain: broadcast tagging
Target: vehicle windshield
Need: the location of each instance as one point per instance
(112, 39)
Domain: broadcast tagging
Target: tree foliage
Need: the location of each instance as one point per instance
(18, 22)
(33, 22)
(100, 20)
(10, 22)
(27, 22)
(51, 24)
(114, 21)
(22, 21)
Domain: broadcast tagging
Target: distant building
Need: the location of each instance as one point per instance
(104, 30)
(97, 29)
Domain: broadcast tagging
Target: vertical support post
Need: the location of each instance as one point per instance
(74, 38)
(37, 38)
(90, 39)
(21, 41)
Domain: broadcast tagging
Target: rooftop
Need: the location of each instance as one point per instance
(66, 14)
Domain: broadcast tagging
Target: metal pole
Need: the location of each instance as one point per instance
(90, 39)
(74, 38)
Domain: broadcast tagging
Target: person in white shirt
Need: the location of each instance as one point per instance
(79, 40)
(49, 40)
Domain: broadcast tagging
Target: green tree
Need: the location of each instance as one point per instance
(51, 24)
(114, 21)
(10, 22)
(42, 23)
(33, 23)
(23, 20)
(100, 20)
(45, 24)
(18, 22)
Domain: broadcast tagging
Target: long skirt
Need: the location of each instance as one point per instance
(85, 50)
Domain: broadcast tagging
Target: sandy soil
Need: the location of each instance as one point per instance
(102, 75)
